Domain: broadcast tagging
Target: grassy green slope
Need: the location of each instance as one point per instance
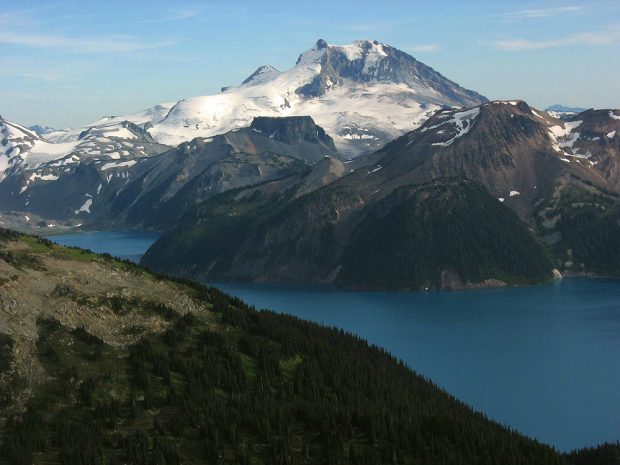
(582, 223)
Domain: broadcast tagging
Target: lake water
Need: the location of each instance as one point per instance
(128, 245)
(543, 360)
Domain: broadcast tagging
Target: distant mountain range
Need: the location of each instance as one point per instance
(565, 109)
(563, 112)
(313, 174)
(363, 95)
(130, 189)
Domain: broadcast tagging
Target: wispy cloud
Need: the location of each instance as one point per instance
(373, 28)
(15, 19)
(544, 12)
(425, 48)
(44, 71)
(103, 45)
(183, 14)
(607, 37)
(172, 16)
(25, 28)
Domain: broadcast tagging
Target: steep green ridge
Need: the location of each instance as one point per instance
(199, 377)
(605, 454)
(446, 234)
(442, 235)
(208, 237)
(581, 223)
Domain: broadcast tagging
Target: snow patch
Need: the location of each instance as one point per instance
(111, 165)
(358, 136)
(536, 114)
(463, 121)
(34, 176)
(85, 206)
(565, 132)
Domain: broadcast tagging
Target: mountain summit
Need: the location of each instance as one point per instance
(365, 61)
(343, 87)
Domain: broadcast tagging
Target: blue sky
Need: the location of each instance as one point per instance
(67, 63)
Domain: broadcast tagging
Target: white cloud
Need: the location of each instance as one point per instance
(103, 45)
(544, 12)
(183, 14)
(425, 48)
(171, 16)
(607, 37)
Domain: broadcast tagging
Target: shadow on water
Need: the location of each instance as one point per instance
(129, 245)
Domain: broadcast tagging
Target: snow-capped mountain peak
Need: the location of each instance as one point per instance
(364, 94)
(15, 142)
(262, 74)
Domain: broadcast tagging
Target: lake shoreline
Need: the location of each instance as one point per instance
(487, 284)
(330, 286)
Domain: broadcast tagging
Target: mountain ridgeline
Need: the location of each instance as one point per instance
(102, 361)
(499, 194)
(360, 95)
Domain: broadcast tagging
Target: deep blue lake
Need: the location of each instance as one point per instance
(543, 360)
(128, 245)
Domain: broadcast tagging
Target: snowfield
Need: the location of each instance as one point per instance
(381, 106)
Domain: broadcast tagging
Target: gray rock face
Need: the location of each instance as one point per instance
(293, 130)
(372, 61)
(40, 129)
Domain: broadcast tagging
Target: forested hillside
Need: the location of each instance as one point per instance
(131, 367)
